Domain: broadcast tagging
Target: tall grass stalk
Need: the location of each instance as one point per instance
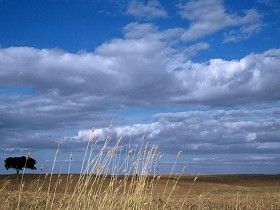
(179, 153)
(49, 187)
(22, 182)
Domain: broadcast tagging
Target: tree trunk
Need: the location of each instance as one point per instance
(17, 171)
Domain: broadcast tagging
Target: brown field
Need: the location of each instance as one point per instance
(206, 192)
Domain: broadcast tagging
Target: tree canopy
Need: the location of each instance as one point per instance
(19, 163)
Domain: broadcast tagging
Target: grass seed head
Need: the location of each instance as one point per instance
(111, 152)
(179, 153)
(119, 140)
(107, 171)
(28, 156)
(103, 148)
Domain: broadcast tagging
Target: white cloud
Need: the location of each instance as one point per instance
(234, 80)
(251, 137)
(151, 130)
(207, 17)
(153, 9)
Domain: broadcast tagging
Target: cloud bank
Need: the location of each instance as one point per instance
(64, 90)
(132, 73)
(213, 131)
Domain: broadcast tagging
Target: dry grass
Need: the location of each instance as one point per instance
(208, 192)
(98, 186)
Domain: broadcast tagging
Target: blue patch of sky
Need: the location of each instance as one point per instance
(57, 24)
(79, 26)
(144, 115)
(17, 91)
(257, 43)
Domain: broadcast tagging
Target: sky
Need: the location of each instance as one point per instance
(197, 76)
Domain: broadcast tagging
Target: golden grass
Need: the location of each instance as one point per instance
(208, 192)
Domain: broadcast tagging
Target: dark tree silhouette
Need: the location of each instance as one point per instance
(18, 163)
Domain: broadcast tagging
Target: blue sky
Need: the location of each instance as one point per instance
(198, 76)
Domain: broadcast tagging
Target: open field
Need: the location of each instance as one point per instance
(206, 192)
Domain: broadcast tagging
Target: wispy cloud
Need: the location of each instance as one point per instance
(210, 16)
(242, 33)
(195, 48)
(152, 9)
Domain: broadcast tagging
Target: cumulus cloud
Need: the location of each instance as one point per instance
(234, 81)
(207, 17)
(153, 9)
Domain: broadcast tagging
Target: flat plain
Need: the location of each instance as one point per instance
(184, 192)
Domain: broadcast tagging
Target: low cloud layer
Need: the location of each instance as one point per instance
(214, 131)
(239, 140)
